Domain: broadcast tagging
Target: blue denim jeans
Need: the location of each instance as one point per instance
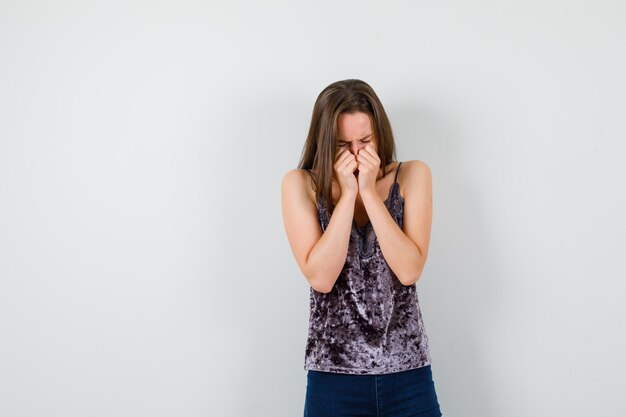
(398, 394)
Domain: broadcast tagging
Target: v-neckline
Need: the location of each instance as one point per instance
(366, 225)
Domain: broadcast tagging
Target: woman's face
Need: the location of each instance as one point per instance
(354, 131)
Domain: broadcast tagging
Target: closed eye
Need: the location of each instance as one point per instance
(363, 141)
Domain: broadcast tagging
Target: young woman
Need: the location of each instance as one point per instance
(358, 223)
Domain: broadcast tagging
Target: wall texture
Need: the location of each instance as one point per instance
(144, 268)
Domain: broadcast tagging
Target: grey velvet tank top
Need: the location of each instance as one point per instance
(370, 323)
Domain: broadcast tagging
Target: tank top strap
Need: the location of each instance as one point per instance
(397, 170)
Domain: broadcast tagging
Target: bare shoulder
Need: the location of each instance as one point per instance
(416, 166)
(415, 175)
(297, 181)
(295, 172)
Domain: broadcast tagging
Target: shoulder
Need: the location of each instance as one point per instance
(414, 172)
(416, 166)
(297, 181)
(295, 176)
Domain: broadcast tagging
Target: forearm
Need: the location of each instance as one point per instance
(328, 256)
(400, 252)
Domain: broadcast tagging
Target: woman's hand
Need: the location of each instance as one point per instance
(369, 167)
(344, 167)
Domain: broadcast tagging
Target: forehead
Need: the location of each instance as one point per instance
(353, 126)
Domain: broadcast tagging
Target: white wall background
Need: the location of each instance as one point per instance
(144, 268)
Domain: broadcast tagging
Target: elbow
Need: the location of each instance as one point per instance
(410, 279)
(413, 274)
(322, 290)
(413, 271)
(319, 280)
(320, 285)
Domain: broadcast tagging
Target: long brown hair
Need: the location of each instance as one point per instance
(345, 96)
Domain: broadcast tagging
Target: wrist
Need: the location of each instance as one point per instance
(348, 195)
(368, 194)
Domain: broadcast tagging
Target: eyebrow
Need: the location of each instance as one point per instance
(364, 137)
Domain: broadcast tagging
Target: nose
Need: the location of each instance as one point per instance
(355, 147)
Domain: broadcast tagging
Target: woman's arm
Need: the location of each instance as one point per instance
(320, 255)
(406, 249)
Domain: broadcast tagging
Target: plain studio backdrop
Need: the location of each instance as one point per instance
(144, 266)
